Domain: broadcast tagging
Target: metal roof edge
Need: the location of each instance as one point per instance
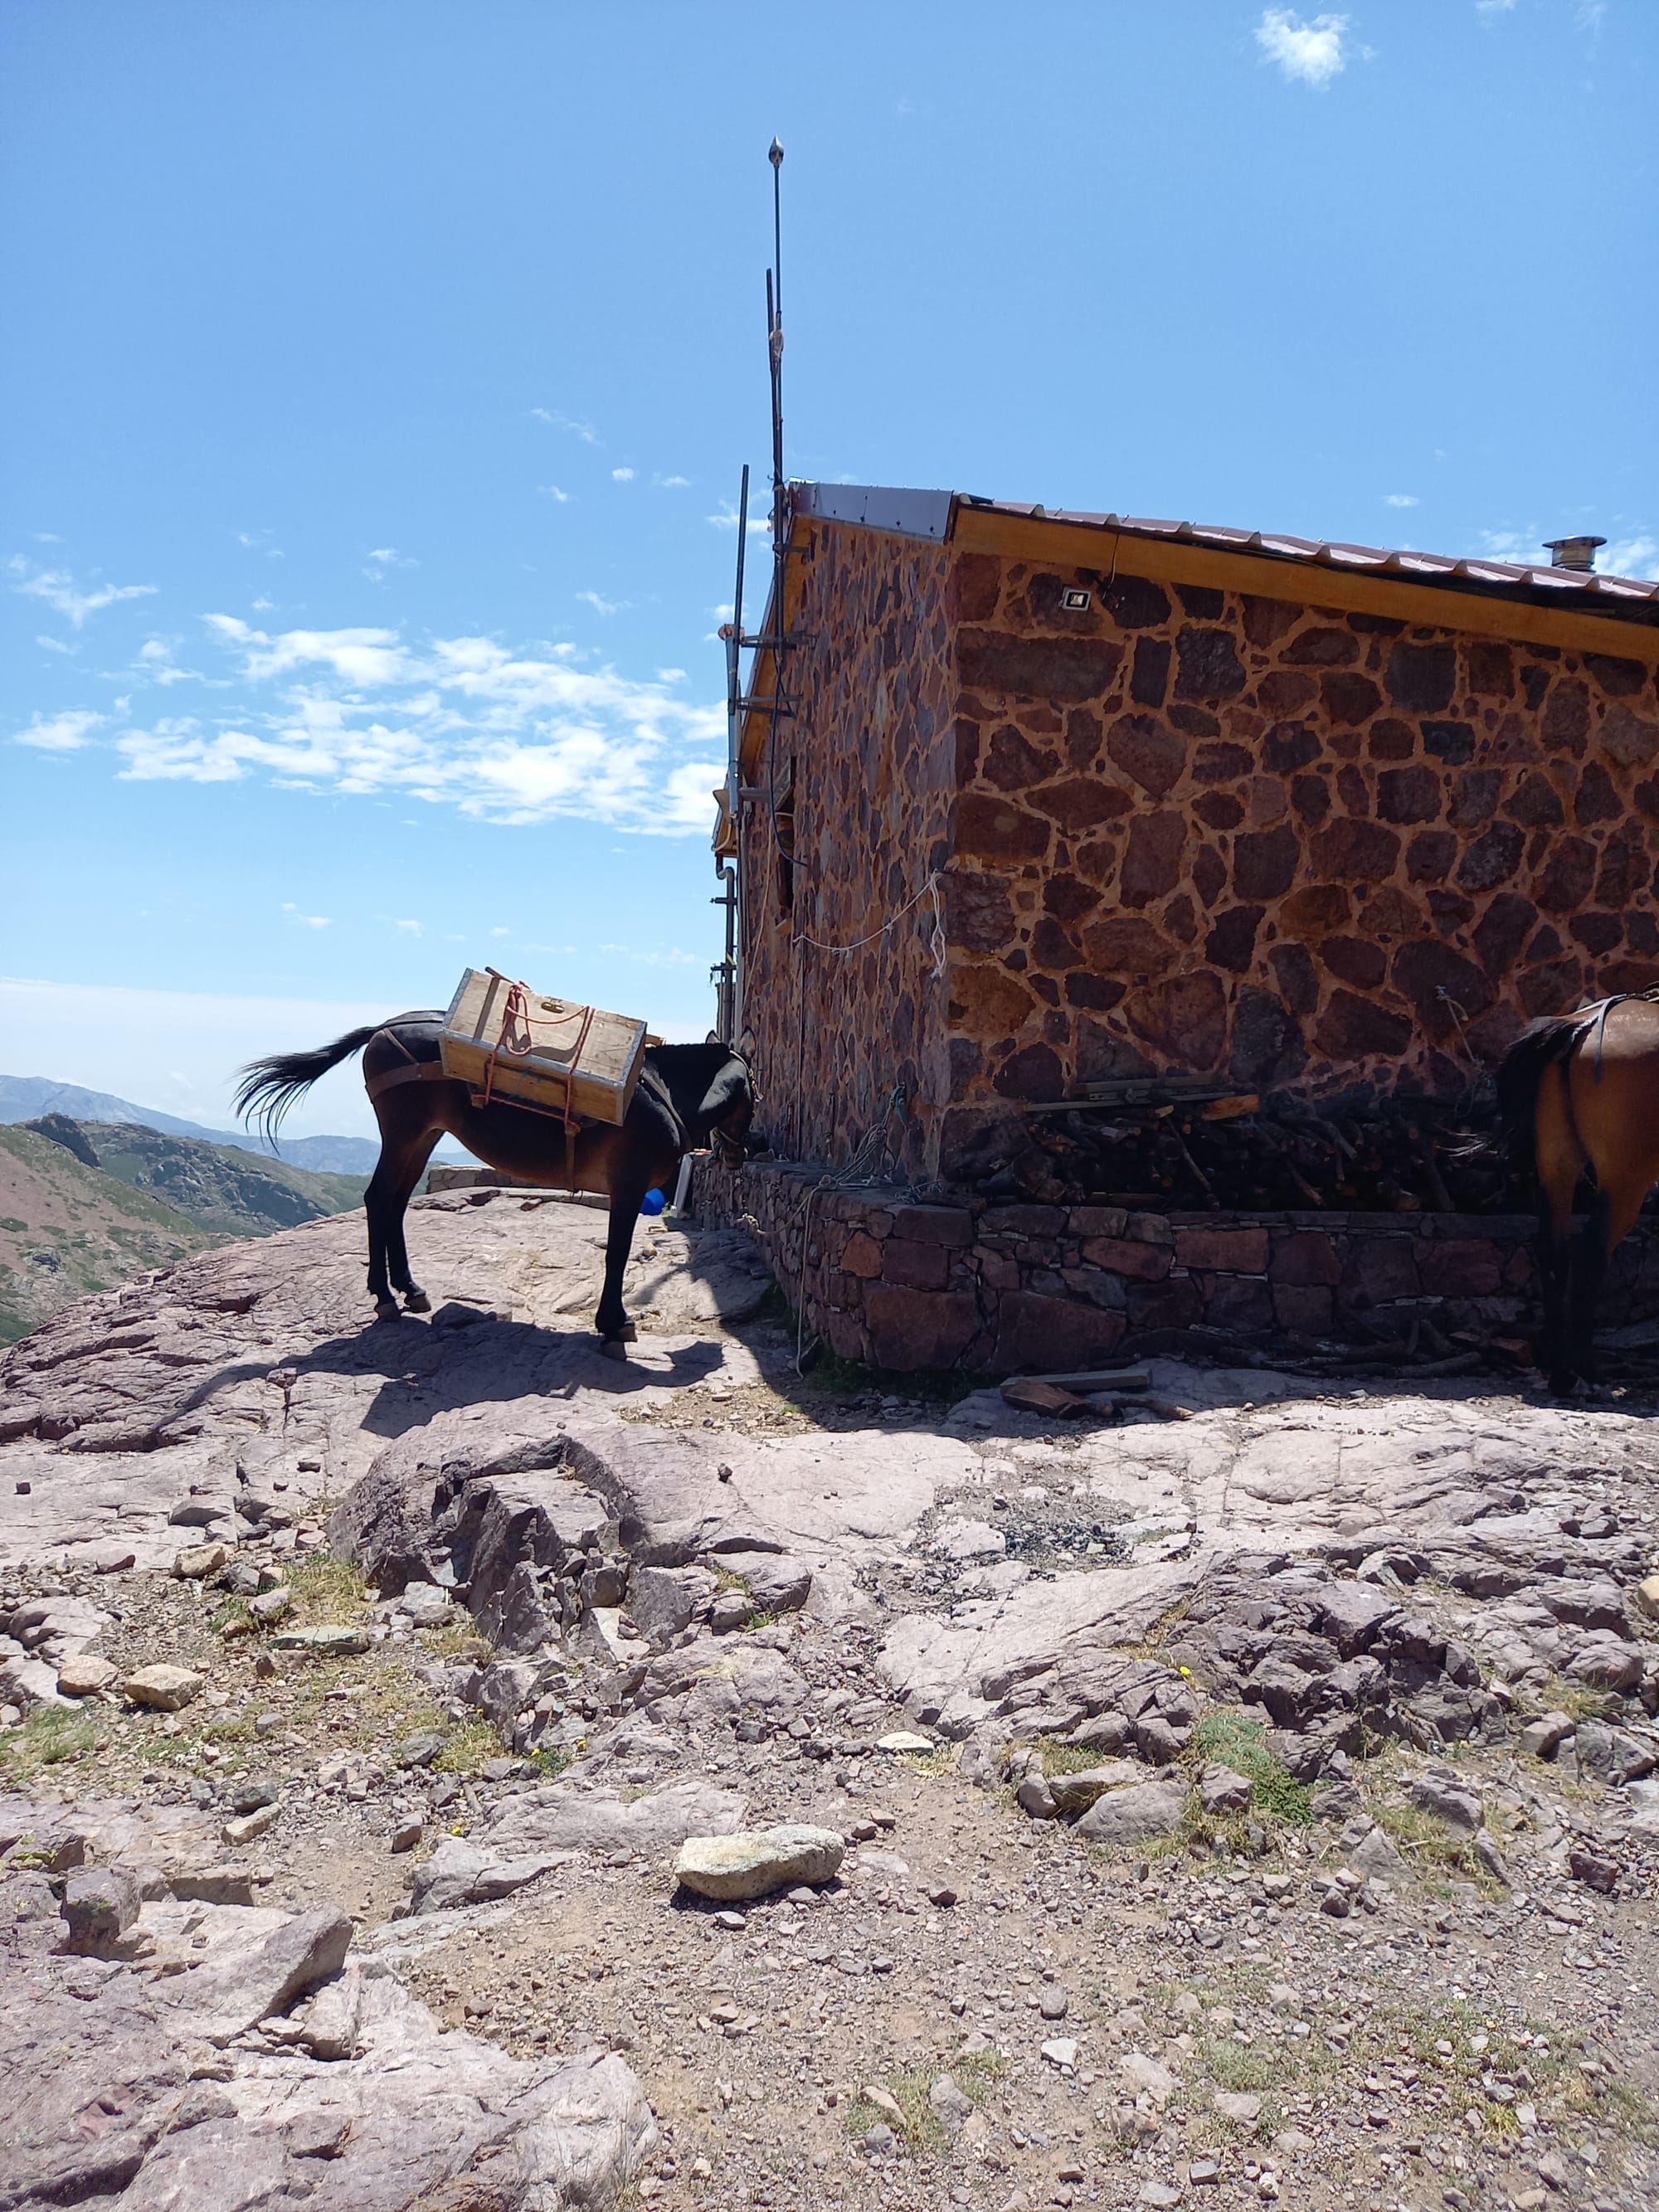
(903, 512)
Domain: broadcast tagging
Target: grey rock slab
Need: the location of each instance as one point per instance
(100, 1905)
(1135, 1815)
(740, 1865)
(463, 1873)
(576, 1814)
(1072, 1794)
(963, 1662)
(231, 1994)
(1449, 1799)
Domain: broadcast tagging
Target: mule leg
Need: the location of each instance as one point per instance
(376, 1203)
(1613, 1217)
(1560, 1162)
(611, 1320)
(414, 1166)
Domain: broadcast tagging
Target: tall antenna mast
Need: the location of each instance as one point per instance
(775, 342)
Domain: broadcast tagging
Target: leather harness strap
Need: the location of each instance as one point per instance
(1595, 1017)
(421, 1071)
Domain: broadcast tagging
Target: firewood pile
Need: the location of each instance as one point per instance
(1361, 1156)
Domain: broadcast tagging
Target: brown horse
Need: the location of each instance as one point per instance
(1578, 1095)
(688, 1095)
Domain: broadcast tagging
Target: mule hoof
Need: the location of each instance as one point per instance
(628, 1334)
(612, 1347)
(416, 1302)
(387, 1310)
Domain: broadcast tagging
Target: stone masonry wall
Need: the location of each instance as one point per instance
(1206, 832)
(834, 1037)
(1002, 1289)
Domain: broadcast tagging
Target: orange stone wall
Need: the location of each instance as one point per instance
(836, 1035)
(1189, 830)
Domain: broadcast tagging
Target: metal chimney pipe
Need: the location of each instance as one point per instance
(1577, 553)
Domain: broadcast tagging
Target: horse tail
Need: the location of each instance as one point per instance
(1541, 1044)
(270, 1087)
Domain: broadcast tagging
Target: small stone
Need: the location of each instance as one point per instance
(1542, 1738)
(731, 1610)
(83, 1675)
(420, 1750)
(1290, 2141)
(943, 1897)
(1202, 2172)
(1222, 1790)
(1595, 1871)
(734, 1921)
(271, 1605)
(1242, 2107)
(1061, 2052)
(1647, 1596)
(1159, 2192)
(250, 1825)
(167, 1689)
(753, 1863)
(1136, 1815)
(949, 2102)
(197, 1561)
(100, 1905)
(1054, 2004)
(903, 1740)
(407, 1833)
(879, 2138)
(252, 1792)
(425, 1605)
(329, 1640)
(1146, 2076)
(1450, 1800)
(885, 2102)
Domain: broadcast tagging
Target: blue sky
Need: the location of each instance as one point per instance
(377, 379)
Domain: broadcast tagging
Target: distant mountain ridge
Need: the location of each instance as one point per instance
(25, 1097)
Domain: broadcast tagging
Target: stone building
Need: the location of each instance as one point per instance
(1179, 802)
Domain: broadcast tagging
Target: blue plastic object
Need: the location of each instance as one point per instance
(653, 1202)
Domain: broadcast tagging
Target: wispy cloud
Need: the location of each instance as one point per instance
(550, 416)
(57, 645)
(552, 491)
(603, 606)
(306, 921)
(726, 518)
(671, 675)
(1490, 10)
(258, 541)
(60, 733)
(386, 556)
(1307, 52)
(503, 735)
(414, 928)
(1400, 499)
(1633, 556)
(622, 476)
(64, 596)
(675, 484)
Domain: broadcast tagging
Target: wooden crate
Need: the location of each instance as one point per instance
(609, 1049)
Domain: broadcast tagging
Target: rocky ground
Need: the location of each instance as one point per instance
(1248, 1807)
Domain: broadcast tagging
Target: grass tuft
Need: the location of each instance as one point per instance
(49, 1735)
(1238, 1740)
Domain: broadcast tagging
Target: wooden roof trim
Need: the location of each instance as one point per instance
(1179, 561)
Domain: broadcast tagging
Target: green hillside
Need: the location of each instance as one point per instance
(241, 1194)
(67, 1230)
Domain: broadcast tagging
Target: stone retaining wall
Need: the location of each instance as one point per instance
(1002, 1289)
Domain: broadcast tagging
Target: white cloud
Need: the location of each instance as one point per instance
(500, 933)
(727, 519)
(1490, 10)
(65, 597)
(262, 606)
(622, 476)
(413, 927)
(306, 921)
(501, 735)
(60, 733)
(1510, 545)
(384, 557)
(1400, 499)
(1307, 52)
(552, 491)
(675, 484)
(57, 644)
(585, 431)
(603, 606)
(1631, 556)
(671, 675)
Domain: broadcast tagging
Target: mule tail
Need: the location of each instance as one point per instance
(270, 1087)
(1541, 1044)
